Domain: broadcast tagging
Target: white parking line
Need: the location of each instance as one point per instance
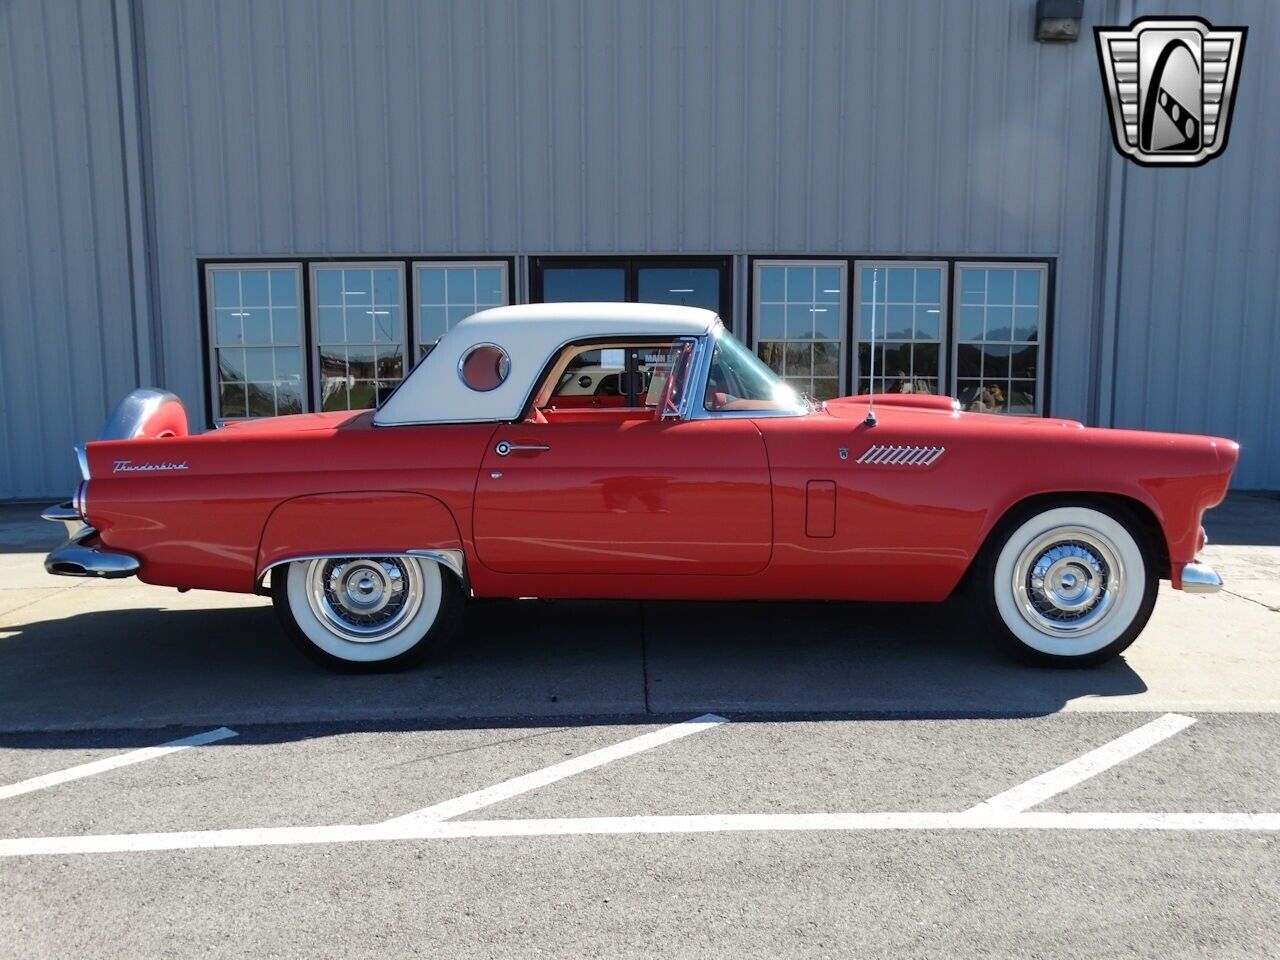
(587, 826)
(111, 763)
(1006, 811)
(1041, 788)
(469, 802)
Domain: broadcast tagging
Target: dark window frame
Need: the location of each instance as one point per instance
(305, 305)
(631, 266)
(850, 261)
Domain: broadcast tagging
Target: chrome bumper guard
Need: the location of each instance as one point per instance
(80, 558)
(1200, 578)
(64, 513)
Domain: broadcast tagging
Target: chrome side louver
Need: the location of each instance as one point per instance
(893, 455)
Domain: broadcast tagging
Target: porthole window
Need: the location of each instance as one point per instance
(484, 367)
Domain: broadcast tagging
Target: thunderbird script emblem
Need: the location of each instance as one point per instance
(1170, 84)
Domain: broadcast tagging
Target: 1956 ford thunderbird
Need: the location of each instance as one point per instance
(640, 451)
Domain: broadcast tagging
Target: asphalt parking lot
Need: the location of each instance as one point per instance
(591, 779)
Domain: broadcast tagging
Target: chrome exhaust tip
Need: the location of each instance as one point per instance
(75, 558)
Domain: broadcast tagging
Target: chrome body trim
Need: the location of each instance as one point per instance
(82, 458)
(125, 422)
(75, 558)
(452, 560)
(67, 515)
(504, 447)
(1200, 578)
(897, 455)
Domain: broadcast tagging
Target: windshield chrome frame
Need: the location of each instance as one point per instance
(695, 401)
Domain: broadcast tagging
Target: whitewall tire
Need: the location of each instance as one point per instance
(1069, 586)
(367, 613)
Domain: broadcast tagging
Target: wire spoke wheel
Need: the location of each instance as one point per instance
(1069, 585)
(1068, 581)
(364, 599)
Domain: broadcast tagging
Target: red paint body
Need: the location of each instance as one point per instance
(626, 506)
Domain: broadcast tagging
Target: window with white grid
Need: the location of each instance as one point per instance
(906, 301)
(999, 343)
(255, 331)
(448, 291)
(799, 323)
(359, 330)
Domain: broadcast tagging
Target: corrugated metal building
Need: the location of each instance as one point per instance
(267, 205)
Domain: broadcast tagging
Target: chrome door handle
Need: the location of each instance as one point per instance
(504, 447)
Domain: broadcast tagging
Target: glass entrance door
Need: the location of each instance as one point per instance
(704, 282)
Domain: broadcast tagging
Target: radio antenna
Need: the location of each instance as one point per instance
(871, 396)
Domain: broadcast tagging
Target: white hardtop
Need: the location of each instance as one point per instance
(530, 334)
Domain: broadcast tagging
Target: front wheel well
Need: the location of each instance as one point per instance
(1137, 512)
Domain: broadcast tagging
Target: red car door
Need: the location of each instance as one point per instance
(615, 496)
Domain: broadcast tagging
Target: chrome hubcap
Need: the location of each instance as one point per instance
(364, 599)
(1068, 581)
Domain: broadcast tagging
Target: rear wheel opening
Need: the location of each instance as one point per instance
(367, 614)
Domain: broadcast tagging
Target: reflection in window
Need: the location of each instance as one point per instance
(686, 286)
(584, 284)
(257, 341)
(798, 325)
(449, 292)
(359, 333)
(998, 341)
(908, 314)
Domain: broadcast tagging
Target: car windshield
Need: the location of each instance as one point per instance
(739, 380)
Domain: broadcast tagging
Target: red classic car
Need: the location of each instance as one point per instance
(640, 451)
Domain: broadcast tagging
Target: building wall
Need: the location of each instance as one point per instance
(1198, 332)
(523, 127)
(66, 314)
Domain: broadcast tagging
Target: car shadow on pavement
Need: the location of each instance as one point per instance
(533, 662)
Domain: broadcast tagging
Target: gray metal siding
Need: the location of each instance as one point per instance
(394, 127)
(1198, 337)
(66, 322)
(568, 127)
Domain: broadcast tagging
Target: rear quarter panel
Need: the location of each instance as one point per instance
(239, 502)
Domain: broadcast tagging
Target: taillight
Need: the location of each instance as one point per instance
(81, 499)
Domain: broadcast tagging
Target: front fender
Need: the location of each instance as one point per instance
(359, 524)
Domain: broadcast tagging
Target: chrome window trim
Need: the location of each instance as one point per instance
(699, 411)
(462, 361)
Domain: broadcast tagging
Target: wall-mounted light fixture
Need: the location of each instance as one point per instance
(1058, 21)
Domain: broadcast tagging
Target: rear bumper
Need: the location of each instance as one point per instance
(1200, 578)
(84, 556)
